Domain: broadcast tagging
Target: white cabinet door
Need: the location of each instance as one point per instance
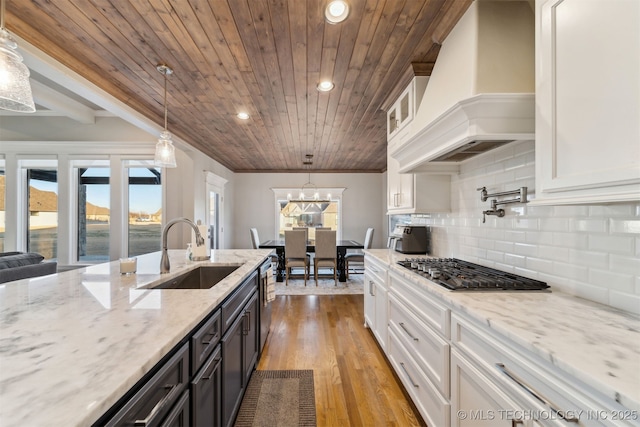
(369, 301)
(416, 193)
(376, 306)
(587, 101)
(403, 110)
(399, 187)
(393, 184)
(381, 315)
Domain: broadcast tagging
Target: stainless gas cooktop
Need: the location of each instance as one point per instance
(457, 275)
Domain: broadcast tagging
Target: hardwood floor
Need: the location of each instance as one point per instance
(354, 385)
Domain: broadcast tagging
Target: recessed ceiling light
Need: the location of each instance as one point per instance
(243, 116)
(336, 11)
(325, 86)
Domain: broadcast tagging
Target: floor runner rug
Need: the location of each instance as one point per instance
(278, 398)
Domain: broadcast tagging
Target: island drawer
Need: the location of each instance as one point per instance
(204, 341)
(234, 305)
(158, 395)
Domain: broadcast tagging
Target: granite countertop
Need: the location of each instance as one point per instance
(71, 344)
(596, 344)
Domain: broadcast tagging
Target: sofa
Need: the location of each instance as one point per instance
(24, 265)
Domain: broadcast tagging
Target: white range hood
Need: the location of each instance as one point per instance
(481, 92)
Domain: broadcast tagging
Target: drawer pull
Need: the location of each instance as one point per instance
(247, 315)
(408, 333)
(156, 409)
(545, 400)
(373, 294)
(215, 363)
(213, 336)
(409, 376)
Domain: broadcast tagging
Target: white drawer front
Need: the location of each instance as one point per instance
(467, 338)
(526, 377)
(376, 270)
(429, 350)
(433, 407)
(420, 304)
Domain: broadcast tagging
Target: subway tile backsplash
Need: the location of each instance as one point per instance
(591, 251)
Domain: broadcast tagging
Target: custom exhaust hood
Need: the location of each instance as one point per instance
(480, 95)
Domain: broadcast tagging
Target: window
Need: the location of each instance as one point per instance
(310, 214)
(145, 208)
(2, 204)
(42, 208)
(94, 213)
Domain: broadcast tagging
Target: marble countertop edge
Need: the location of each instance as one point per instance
(618, 327)
(128, 328)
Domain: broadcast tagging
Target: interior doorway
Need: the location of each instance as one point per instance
(214, 219)
(215, 209)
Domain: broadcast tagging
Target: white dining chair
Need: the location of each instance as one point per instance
(326, 253)
(295, 253)
(358, 257)
(255, 243)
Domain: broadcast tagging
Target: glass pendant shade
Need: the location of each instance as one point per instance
(165, 151)
(15, 89)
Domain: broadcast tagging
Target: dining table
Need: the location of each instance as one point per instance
(341, 249)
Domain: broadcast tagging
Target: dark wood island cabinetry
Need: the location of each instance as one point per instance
(201, 382)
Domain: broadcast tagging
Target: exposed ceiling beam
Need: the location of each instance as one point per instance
(62, 104)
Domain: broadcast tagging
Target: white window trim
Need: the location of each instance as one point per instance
(21, 203)
(75, 163)
(123, 204)
(283, 193)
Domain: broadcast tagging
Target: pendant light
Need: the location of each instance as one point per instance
(165, 151)
(313, 189)
(15, 89)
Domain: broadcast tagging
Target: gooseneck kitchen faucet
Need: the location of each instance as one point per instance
(165, 266)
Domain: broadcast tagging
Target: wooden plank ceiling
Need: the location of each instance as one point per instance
(264, 57)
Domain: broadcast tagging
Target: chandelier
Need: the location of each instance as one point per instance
(309, 192)
(15, 89)
(165, 151)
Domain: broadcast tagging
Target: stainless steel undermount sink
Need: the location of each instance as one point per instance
(200, 278)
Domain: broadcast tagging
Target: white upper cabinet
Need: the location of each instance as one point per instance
(587, 101)
(409, 193)
(406, 192)
(402, 112)
(399, 187)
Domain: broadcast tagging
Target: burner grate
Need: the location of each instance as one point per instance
(458, 275)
